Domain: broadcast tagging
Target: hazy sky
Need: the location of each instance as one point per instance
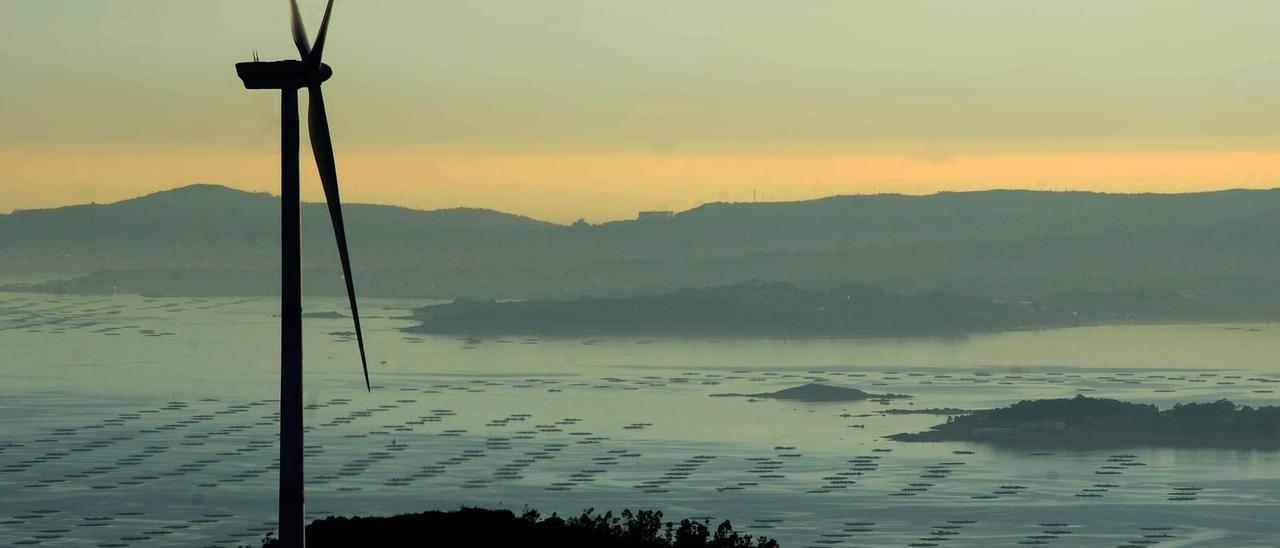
(566, 109)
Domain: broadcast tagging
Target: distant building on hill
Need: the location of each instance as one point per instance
(654, 215)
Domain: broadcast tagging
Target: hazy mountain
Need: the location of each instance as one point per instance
(1135, 249)
(211, 226)
(998, 215)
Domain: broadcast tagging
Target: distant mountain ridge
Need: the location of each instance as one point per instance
(982, 215)
(213, 226)
(211, 198)
(1007, 244)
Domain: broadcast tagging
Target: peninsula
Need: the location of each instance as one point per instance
(747, 309)
(1093, 423)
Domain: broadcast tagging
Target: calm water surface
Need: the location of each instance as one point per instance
(150, 422)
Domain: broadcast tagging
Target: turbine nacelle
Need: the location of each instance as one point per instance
(289, 74)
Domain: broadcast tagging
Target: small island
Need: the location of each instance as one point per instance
(747, 309)
(1095, 423)
(813, 392)
(327, 315)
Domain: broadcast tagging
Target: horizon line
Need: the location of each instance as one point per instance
(934, 192)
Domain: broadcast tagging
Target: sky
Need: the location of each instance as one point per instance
(563, 109)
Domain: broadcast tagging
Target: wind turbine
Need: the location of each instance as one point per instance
(289, 76)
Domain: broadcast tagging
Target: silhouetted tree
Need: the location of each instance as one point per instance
(479, 527)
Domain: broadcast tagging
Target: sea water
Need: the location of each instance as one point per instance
(131, 421)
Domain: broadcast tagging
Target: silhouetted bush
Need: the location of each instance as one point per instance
(481, 527)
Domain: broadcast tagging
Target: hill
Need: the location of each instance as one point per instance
(995, 215)
(1201, 255)
(210, 226)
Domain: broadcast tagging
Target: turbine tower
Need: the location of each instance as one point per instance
(289, 76)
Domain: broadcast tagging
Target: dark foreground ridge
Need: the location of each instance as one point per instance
(481, 527)
(813, 392)
(753, 308)
(1087, 423)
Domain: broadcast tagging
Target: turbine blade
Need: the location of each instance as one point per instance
(318, 50)
(322, 149)
(299, 31)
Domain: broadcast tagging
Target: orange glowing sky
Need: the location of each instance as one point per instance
(565, 109)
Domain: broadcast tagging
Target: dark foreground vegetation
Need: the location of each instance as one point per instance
(1084, 423)
(753, 308)
(481, 527)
